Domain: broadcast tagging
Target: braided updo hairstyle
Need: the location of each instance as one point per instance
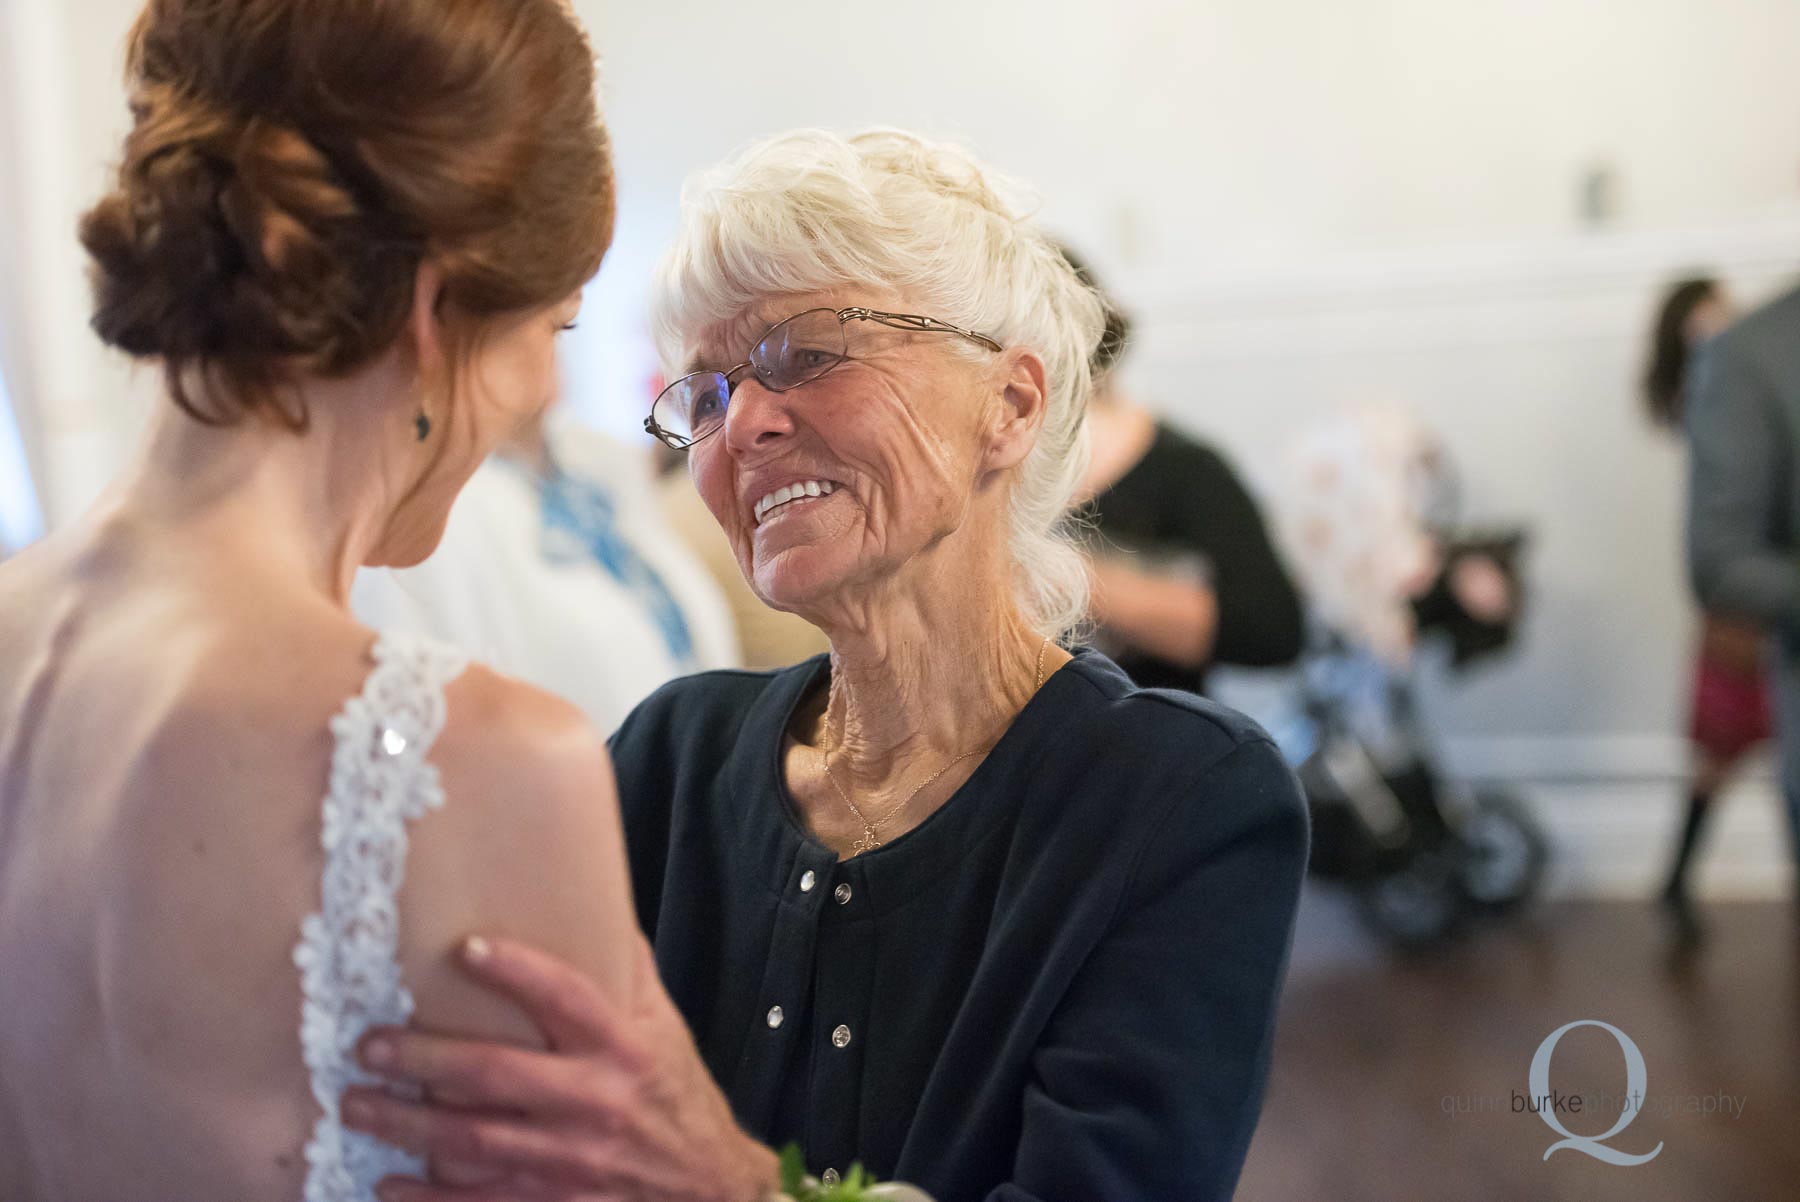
(293, 162)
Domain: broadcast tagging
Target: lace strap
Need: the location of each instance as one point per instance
(347, 954)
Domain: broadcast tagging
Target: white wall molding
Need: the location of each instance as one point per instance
(1613, 804)
(1615, 840)
(1579, 287)
(1573, 759)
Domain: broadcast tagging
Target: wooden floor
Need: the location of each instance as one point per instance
(1393, 1078)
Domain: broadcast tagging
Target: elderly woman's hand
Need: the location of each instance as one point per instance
(620, 1108)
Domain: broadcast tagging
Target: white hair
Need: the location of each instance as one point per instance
(812, 211)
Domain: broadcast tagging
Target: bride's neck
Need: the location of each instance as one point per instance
(307, 507)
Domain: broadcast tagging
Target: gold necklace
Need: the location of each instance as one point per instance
(869, 842)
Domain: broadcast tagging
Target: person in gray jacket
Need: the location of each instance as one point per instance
(1743, 535)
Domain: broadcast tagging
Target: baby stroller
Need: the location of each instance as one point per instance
(1420, 853)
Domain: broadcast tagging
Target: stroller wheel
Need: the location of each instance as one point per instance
(1504, 851)
(1419, 904)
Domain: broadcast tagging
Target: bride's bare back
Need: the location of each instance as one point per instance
(347, 236)
(162, 763)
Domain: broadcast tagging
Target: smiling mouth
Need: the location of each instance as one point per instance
(800, 490)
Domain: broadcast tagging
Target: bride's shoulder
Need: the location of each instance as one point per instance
(528, 844)
(516, 737)
(520, 836)
(497, 742)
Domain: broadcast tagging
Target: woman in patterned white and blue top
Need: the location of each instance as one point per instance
(559, 567)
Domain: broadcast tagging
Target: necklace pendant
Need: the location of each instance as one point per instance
(868, 842)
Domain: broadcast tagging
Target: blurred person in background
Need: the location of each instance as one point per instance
(1729, 711)
(559, 567)
(1742, 416)
(1370, 507)
(1185, 575)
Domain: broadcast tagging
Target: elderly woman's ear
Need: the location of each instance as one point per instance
(1015, 421)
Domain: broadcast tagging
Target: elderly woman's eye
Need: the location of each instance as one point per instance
(706, 407)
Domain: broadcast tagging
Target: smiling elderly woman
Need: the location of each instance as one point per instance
(949, 901)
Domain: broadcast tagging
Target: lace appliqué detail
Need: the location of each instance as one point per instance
(349, 973)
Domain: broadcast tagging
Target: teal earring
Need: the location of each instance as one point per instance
(422, 426)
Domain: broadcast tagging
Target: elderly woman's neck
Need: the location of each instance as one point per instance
(929, 682)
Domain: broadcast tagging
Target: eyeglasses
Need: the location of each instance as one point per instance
(792, 352)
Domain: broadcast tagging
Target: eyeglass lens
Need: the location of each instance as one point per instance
(794, 351)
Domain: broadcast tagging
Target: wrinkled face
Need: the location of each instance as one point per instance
(845, 480)
(509, 378)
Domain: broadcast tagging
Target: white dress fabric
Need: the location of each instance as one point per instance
(349, 970)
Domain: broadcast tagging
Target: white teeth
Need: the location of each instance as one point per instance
(790, 492)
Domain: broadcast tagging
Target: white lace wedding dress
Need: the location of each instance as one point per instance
(349, 973)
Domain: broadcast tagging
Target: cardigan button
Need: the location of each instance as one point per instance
(829, 1177)
(806, 881)
(775, 1016)
(842, 893)
(840, 1037)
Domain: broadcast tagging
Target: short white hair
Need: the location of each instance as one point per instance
(812, 211)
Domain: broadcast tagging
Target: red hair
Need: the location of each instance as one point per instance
(293, 162)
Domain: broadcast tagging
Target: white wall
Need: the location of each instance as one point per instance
(1181, 141)
(63, 106)
(1305, 201)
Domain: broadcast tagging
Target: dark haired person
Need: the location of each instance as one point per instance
(349, 235)
(1185, 573)
(1729, 708)
(1743, 536)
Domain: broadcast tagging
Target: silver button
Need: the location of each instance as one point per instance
(841, 1036)
(775, 1016)
(806, 881)
(842, 893)
(829, 1177)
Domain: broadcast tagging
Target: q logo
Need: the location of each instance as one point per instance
(1636, 1077)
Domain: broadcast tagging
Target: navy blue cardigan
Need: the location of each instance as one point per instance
(1059, 987)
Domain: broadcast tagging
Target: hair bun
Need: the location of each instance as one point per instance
(227, 238)
(292, 160)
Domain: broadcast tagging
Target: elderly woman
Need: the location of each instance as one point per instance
(949, 901)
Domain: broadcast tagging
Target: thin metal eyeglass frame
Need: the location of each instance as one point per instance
(899, 321)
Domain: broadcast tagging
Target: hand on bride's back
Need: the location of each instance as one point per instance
(620, 1107)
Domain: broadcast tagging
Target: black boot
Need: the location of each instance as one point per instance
(1675, 893)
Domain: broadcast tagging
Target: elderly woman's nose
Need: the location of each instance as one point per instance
(757, 416)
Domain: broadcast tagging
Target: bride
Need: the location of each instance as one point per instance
(349, 235)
